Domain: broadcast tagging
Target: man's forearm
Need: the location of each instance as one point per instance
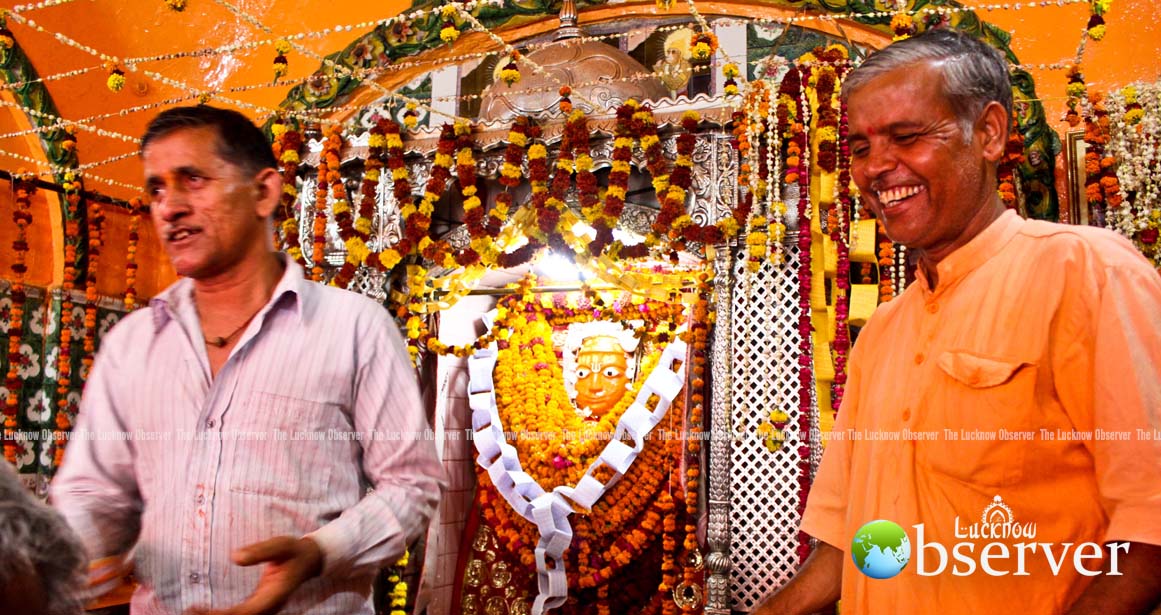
(816, 586)
(1136, 590)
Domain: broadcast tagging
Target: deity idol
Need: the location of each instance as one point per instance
(599, 372)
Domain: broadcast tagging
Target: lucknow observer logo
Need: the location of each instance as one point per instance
(881, 549)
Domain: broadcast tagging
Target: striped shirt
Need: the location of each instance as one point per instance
(313, 427)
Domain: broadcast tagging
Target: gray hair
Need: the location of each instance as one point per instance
(974, 73)
(36, 543)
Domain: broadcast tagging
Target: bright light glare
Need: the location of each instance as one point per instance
(557, 268)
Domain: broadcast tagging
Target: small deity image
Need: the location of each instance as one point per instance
(673, 70)
(599, 365)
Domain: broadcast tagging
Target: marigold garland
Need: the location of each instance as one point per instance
(287, 149)
(21, 218)
(96, 228)
(329, 183)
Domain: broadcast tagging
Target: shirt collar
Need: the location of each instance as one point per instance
(178, 298)
(974, 253)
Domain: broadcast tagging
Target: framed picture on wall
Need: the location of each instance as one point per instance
(1074, 162)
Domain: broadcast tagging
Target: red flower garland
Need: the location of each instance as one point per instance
(792, 87)
(288, 149)
(22, 218)
(840, 234)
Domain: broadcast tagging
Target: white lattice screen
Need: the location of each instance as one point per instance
(763, 484)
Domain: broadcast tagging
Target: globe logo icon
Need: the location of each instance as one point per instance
(880, 549)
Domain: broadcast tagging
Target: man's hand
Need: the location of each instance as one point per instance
(816, 585)
(289, 563)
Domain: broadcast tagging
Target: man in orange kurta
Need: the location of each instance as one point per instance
(1016, 383)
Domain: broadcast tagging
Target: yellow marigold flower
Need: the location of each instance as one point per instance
(116, 80)
(691, 115)
(537, 151)
(1133, 116)
(357, 251)
(510, 75)
(517, 138)
(372, 175)
(282, 46)
(363, 225)
(389, 258)
(584, 163)
(464, 157)
(394, 141)
(728, 226)
(341, 207)
(295, 253)
(702, 51)
(277, 129)
(777, 231)
(398, 174)
(730, 70)
(621, 166)
(376, 141)
(290, 156)
(1097, 33)
(471, 203)
(616, 191)
(449, 34)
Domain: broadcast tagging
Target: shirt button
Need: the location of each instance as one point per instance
(919, 358)
(195, 577)
(201, 499)
(210, 423)
(932, 308)
(907, 414)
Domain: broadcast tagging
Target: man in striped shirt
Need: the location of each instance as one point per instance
(255, 440)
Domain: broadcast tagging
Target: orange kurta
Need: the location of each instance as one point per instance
(1034, 326)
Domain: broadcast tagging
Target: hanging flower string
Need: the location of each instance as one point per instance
(287, 148)
(133, 238)
(96, 228)
(329, 182)
(21, 218)
(792, 87)
(281, 64)
(840, 235)
(1102, 188)
(63, 420)
(1096, 22)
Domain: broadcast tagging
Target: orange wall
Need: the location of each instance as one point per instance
(1129, 52)
(39, 258)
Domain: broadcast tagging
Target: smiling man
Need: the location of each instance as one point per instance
(223, 510)
(1012, 326)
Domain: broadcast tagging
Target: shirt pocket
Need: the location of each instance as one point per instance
(280, 446)
(982, 402)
